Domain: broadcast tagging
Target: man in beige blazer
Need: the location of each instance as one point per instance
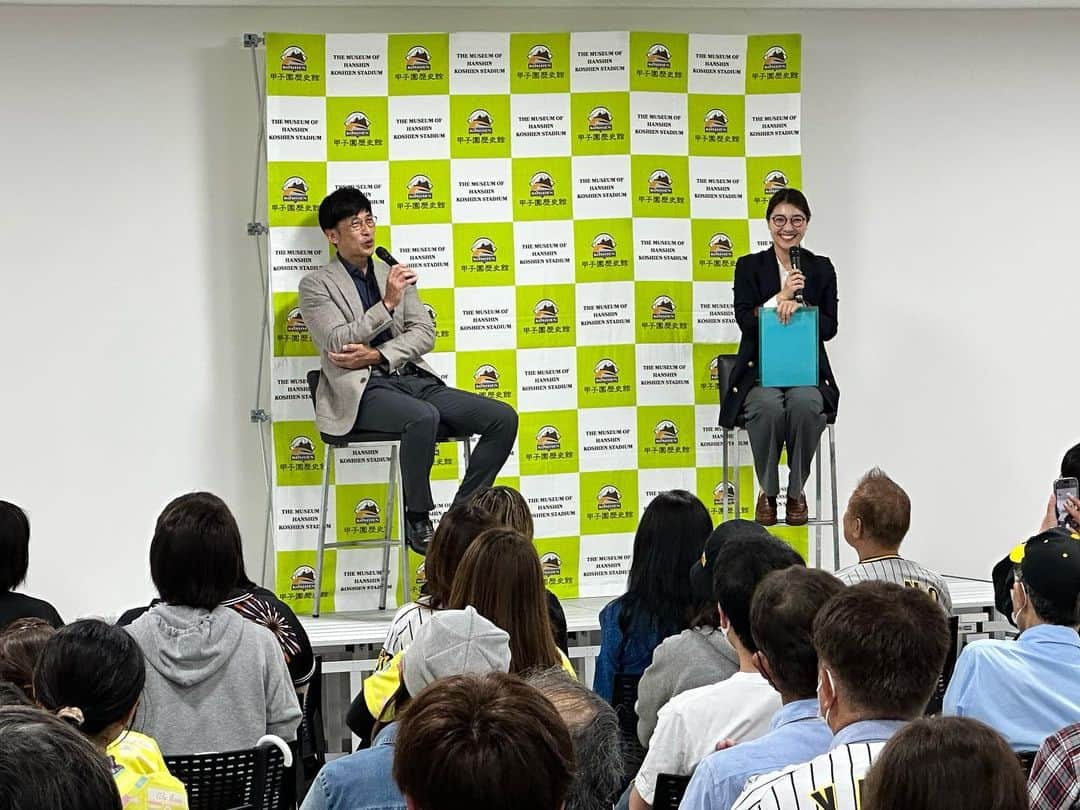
(373, 332)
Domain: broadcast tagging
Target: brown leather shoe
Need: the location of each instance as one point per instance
(797, 513)
(765, 512)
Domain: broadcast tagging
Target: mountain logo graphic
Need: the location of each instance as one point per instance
(294, 321)
(541, 185)
(480, 122)
(486, 378)
(603, 246)
(301, 448)
(366, 512)
(608, 498)
(548, 438)
(357, 125)
(295, 189)
(483, 250)
(293, 58)
(540, 58)
(720, 246)
(659, 182)
(775, 58)
(658, 57)
(418, 58)
(419, 187)
(716, 121)
(663, 308)
(600, 120)
(545, 311)
(665, 432)
(606, 372)
(303, 578)
(774, 181)
(550, 564)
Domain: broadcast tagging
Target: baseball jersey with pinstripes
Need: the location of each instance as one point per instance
(894, 568)
(832, 781)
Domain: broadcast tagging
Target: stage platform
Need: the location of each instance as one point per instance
(349, 644)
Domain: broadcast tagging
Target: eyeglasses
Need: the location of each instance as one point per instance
(363, 223)
(780, 221)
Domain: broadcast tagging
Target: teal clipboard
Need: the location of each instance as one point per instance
(788, 353)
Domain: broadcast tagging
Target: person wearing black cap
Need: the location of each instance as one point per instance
(700, 655)
(1029, 688)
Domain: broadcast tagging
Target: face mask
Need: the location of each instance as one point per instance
(831, 686)
(1018, 610)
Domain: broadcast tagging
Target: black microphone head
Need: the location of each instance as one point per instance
(795, 254)
(384, 254)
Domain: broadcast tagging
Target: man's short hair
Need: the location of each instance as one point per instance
(882, 506)
(44, 762)
(782, 619)
(741, 563)
(194, 556)
(885, 646)
(594, 731)
(14, 545)
(1070, 462)
(346, 202)
(486, 742)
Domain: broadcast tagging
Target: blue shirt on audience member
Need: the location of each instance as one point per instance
(796, 735)
(628, 654)
(1025, 689)
(361, 781)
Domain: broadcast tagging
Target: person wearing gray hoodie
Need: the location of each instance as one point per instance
(214, 681)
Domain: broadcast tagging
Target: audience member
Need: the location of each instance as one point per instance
(880, 651)
(12, 695)
(214, 681)
(453, 642)
(738, 708)
(699, 655)
(488, 742)
(1070, 468)
(512, 510)
(781, 621)
(14, 562)
(21, 643)
(251, 601)
(940, 762)
(1029, 688)
(658, 601)
(594, 730)
(91, 675)
(458, 527)
(1055, 774)
(44, 763)
(877, 518)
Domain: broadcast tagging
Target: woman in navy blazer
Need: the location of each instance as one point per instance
(775, 417)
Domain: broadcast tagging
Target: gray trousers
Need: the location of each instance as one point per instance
(779, 416)
(414, 405)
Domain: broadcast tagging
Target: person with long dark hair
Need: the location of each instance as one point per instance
(659, 601)
(779, 417)
(14, 562)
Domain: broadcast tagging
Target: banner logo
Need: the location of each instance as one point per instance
(421, 575)
(774, 181)
(294, 322)
(600, 120)
(665, 432)
(720, 246)
(719, 496)
(658, 57)
(715, 121)
(551, 564)
(303, 578)
(302, 448)
(294, 58)
(418, 58)
(548, 438)
(663, 309)
(714, 370)
(432, 314)
(541, 185)
(357, 125)
(483, 250)
(606, 372)
(540, 58)
(294, 190)
(609, 498)
(603, 246)
(480, 122)
(545, 311)
(420, 187)
(367, 511)
(659, 182)
(775, 59)
(485, 378)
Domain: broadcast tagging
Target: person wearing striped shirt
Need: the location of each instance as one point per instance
(880, 651)
(877, 518)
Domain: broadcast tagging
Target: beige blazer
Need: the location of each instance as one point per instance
(334, 316)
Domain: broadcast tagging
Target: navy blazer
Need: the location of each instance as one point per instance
(757, 279)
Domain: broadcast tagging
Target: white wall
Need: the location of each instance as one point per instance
(940, 158)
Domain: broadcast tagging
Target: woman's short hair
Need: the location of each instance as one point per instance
(500, 576)
(14, 545)
(953, 762)
(94, 667)
(791, 196)
(46, 763)
(194, 556)
(457, 528)
(509, 507)
(485, 742)
(21, 644)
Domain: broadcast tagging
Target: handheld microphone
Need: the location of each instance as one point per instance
(796, 260)
(385, 256)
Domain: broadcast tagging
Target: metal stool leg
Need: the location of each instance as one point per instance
(388, 515)
(738, 474)
(724, 480)
(817, 514)
(328, 459)
(835, 508)
(468, 451)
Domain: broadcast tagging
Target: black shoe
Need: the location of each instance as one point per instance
(418, 531)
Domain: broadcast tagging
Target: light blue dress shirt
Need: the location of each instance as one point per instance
(1025, 689)
(361, 781)
(796, 735)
